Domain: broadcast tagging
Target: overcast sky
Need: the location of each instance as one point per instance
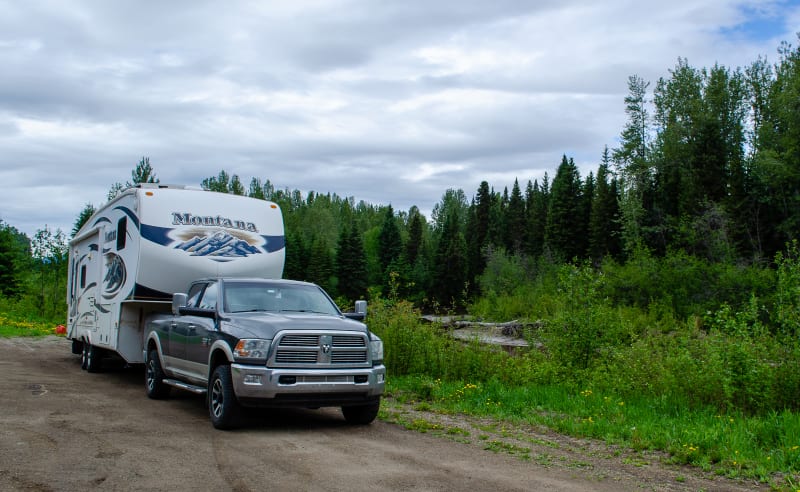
(391, 102)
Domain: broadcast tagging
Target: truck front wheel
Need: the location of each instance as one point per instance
(154, 377)
(361, 414)
(223, 408)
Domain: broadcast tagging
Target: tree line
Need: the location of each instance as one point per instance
(707, 163)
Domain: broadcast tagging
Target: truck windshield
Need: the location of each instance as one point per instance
(241, 297)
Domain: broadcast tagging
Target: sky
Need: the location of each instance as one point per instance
(390, 102)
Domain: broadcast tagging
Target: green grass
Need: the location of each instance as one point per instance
(766, 447)
(13, 325)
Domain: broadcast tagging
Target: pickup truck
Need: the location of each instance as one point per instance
(264, 343)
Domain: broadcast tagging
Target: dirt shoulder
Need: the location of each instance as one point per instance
(62, 428)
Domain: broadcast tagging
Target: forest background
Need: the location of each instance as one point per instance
(670, 276)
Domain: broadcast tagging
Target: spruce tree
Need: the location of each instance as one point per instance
(564, 217)
(450, 265)
(515, 221)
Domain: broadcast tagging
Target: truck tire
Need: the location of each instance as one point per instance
(91, 358)
(154, 377)
(361, 414)
(223, 408)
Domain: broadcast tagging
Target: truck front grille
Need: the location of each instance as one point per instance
(294, 349)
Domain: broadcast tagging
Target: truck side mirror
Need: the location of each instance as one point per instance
(360, 313)
(361, 307)
(178, 301)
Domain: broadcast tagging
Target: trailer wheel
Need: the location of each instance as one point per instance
(91, 358)
(361, 414)
(154, 377)
(223, 408)
(84, 355)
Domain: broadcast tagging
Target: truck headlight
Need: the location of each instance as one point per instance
(375, 348)
(252, 348)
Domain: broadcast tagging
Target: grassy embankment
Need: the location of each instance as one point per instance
(622, 357)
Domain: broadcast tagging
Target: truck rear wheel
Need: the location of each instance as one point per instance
(223, 408)
(361, 414)
(154, 377)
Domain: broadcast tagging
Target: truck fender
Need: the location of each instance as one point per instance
(153, 338)
(215, 355)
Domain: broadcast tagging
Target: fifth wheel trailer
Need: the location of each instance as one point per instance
(151, 241)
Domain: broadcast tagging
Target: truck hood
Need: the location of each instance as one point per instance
(267, 325)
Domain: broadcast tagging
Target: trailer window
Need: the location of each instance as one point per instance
(122, 228)
(83, 276)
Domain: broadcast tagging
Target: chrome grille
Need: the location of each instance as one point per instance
(294, 349)
(349, 341)
(296, 357)
(348, 357)
(300, 341)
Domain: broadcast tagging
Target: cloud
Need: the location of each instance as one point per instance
(389, 102)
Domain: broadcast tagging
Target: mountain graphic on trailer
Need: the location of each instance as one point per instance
(219, 244)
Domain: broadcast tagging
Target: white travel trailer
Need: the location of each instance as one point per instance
(152, 241)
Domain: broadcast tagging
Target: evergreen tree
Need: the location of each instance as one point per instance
(587, 196)
(219, 183)
(115, 190)
(256, 190)
(351, 264)
(515, 220)
(565, 215)
(604, 218)
(538, 204)
(414, 243)
(631, 156)
(143, 173)
(450, 265)
(14, 250)
(389, 242)
(297, 255)
(83, 217)
(320, 264)
(236, 186)
(634, 165)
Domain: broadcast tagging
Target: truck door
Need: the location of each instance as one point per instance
(187, 331)
(200, 332)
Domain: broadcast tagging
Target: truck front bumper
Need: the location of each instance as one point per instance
(264, 386)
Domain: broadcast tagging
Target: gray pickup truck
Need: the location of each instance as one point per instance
(265, 343)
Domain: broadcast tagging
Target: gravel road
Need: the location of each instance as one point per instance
(65, 429)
